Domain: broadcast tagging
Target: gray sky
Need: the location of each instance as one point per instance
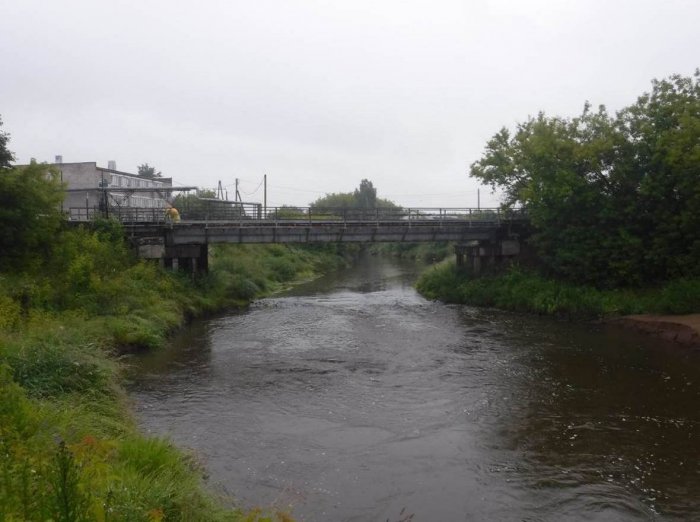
(320, 94)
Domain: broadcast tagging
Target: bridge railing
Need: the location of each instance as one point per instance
(123, 214)
(398, 215)
(250, 213)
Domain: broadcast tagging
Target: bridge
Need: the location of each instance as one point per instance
(184, 244)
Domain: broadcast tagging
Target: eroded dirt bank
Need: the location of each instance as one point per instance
(683, 329)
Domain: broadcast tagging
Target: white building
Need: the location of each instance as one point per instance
(91, 189)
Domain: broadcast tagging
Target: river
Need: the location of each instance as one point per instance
(352, 398)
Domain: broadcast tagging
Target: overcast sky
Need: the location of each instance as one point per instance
(320, 94)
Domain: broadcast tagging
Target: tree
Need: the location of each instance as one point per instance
(663, 130)
(30, 214)
(148, 172)
(340, 200)
(363, 198)
(195, 205)
(614, 200)
(366, 195)
(6, 157)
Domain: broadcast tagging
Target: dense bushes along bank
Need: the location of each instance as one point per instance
(69, 449)
(525, 291)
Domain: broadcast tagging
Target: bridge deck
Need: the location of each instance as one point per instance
(201, 233)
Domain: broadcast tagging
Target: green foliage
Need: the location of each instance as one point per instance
(191, 203)
(30, 214)
(365, 195)
(68, 448)
(345, 200)
(6, 157)
(148, 172)
(363, 198)
(289, 212)
(615, 201)
(54, 467)
(681, 296)
(10, 313)
(526, 291)
(69, 298)
(243, 272)
(204, 205)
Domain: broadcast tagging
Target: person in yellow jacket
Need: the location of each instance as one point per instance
(172, 215)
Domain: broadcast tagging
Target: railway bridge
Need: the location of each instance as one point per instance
(482, 236)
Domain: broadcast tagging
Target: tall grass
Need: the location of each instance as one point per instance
(69, 449)
(526, 291)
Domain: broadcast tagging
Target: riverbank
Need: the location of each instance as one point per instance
(524, 291)
(682, 329)
(70, 447)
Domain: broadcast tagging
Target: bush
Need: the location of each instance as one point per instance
(68, 449)
(525, 291)
(10, 313)
(679, 297)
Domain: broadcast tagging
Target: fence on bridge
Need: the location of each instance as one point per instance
(253, 213)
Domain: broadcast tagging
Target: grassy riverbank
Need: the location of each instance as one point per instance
(69, 448)
(525, 291)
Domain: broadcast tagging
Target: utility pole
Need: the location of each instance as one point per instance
(265, 195)
(103, 186)
(478, 199)
(238, 194)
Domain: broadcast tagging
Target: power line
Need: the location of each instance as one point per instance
(258, 188)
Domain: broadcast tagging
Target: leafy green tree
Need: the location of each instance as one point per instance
(148, 172)
(288, 212)
(193, 201)
(340, 200)
(663, 130)
(6, 157)
(366, 195)
(30, 214)
(614, 200)
(363, 198)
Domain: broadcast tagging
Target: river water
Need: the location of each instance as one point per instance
(351, 398)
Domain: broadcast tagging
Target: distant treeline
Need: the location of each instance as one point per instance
(363, 198)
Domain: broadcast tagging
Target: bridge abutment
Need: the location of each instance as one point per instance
(480, 255)
(188, 258)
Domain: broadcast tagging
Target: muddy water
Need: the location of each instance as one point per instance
(352, 398)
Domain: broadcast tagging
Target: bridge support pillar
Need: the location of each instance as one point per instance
(202, 262)
(188, 258)
(477, 256)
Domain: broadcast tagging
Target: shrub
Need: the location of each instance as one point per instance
(679, 297)
(525, 291)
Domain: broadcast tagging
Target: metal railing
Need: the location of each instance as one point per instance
(253, 213)
(398, 215)
(122, 214)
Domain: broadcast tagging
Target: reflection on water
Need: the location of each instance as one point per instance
(351, 398)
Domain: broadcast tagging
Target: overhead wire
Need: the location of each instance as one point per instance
(257, 188)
